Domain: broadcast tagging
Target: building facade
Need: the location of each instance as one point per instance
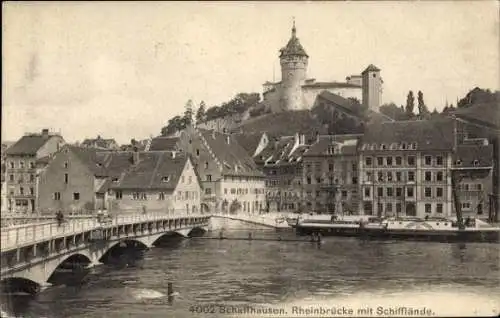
(24, 159)
(405, 169)
(330, 175)
(161, 181)
(229, 177)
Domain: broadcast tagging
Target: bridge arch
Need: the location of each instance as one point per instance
(19, 284)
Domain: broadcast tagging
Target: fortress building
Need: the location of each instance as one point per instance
(295, 91)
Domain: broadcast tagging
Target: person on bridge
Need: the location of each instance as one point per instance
(59, 218)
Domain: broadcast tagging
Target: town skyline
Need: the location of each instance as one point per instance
(127, 77)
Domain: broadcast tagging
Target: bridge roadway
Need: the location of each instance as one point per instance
(32, 252)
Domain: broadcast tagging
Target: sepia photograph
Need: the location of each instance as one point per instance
(250, 159)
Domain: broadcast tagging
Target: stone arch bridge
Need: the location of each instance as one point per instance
(31, 253)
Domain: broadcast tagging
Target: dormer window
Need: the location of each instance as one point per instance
(165, 179)
(458, 162)
(374, 147)
(413, 145)
(115, 180)
(206, 164)
(383, 146)
(403, 146)
(393, 146)
(197, 152)
(475, 163)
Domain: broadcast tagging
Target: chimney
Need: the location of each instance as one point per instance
(45, 132)
(228, 139)
(174, 154)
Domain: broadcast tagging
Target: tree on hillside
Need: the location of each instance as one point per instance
(174, 124)
(478, 95)
(213, 113)
(393, 111)
(423, 112)
(410, 104)
(200, 113)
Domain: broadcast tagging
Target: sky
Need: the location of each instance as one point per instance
(121, 70)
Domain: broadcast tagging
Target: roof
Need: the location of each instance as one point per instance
(233, 158)
(155, 170)
(89, 157)
(29, 144)
(345, 145)
(468, 154)
(293, 47)
(163, 143)
(249, 141)
(487, 114)
(343, 103)
(433, 134)
(371, 68)
(330, 85)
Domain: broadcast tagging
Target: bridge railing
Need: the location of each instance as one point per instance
(18, 235)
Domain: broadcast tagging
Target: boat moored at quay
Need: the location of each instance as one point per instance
(401, 228)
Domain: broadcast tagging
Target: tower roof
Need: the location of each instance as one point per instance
(293, 47)
(371, 68)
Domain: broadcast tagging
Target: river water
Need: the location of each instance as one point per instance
(342, 275)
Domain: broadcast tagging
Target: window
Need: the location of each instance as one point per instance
(466, 205)
(206, 164)
(21, 164)
(11, 177)
(428, 160)
(66, 178)
(208, 191)
(32, 191)
(480, 208)
(399, 192)
(389, 161)
(163, 179)
(367, 192)
(182, 179)
(57, 196)
(369, 177)
(398, 207)
(398, 176)
(76, 196)
(428, 208)
(411, 160)
(344, 194)
(427, 192)
(409, 192)
(475, 163)
(380, 176)
(209, 177)
(118, 195)
(144, 196)
(197, 152)
(439, 208)
(380, 161)
(380, 192)
(380, 208)
(233, 191)
(439, 192)
(368, 161)
(21, 190)
(354, 167)
(411, 176)
(479, 187)
(330, 167)
(389, 176)
(66, 165)
(439, 160)
(161, 196)
(12, 165)
(354, 180)
(318, 180)
(388, 207)
(368, 208)
(308, 180)
(399, 161)
(32, 165)
(428, 176)
(389, 192)
(190, 179)
(32, 178)
(439, 176)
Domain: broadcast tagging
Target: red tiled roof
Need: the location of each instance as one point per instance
(155, 170)
(164, 143)
(468, 154)
(234, 158)
(28, 145)
(433, 134)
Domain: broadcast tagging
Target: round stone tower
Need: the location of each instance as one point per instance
(293, 60)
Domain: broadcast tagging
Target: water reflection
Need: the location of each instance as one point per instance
(272, 272)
